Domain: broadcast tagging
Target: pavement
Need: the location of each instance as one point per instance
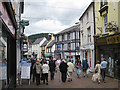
(84, 82)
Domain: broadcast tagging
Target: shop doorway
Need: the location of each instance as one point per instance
(117, 64)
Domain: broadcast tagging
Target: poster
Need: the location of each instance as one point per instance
(3, 69)
(25, 70)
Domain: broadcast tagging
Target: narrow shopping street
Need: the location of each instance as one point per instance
(76, 83)
(77, 37)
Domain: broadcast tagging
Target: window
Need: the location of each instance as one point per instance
(62, 46)
(57, 38)
(105, 21)
(89, 35)
(69, 46)
(103, 2)
(68, 36)
(62, 37)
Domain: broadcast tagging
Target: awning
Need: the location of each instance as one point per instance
(48, 54)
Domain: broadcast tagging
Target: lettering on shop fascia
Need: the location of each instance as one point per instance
(113, 39)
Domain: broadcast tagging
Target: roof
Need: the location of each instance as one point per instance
(37, 41)
(45, 43)
(51, 44)
(73, 28)
(86, 10)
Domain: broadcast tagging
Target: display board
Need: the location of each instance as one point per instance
(3, 69)
(25, 70)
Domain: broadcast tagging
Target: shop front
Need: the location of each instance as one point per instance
(8, 29)
(109, 48)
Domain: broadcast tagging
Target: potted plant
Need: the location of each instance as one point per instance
(112, 28)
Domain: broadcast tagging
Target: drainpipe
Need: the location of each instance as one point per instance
(94, 32)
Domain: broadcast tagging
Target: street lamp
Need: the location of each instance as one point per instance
(76, 48)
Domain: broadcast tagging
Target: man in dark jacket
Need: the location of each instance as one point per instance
(63, 69)
(84, 66)
(52, 68)
(33, 72)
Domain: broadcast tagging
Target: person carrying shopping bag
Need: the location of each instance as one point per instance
(78, 68)
(70, 70)
(97, 71)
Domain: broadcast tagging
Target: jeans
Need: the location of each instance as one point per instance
(52, 75)
(103, 73)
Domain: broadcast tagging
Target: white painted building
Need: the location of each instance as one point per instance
(36, 46)
(86, 35)
(67, 43)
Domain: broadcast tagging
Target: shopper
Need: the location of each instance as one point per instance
(52, 68)
(84, 66)
(33, 71)
(70, 70)
(103, 71)
(63, 69)
(97, 75)
(78, 68)
(45, 70)
(38, 67)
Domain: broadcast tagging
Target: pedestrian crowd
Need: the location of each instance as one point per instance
(40, 69)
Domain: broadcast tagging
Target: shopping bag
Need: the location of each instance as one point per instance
(88, 71)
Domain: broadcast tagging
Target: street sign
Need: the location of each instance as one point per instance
(24, 22)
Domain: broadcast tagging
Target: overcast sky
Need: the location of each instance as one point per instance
(52, 16)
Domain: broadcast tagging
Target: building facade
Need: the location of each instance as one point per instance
(86, 35)
(36, 47)
(8, 29)
(51, 48)
(107, 35)
(67, 43)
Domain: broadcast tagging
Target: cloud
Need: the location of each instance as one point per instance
(45, 26)
(52, 15)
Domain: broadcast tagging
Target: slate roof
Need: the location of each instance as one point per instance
(73, 28)
(37, 41)
(45, 43)
(51, 44)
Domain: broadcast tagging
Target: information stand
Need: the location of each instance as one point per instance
(25, 71)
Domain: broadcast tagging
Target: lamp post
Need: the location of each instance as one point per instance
(77, 23)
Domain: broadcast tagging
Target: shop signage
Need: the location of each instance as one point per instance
(69, 53)
(113, 39)
(6, 18)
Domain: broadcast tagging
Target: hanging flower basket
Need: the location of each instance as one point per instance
(111, 27)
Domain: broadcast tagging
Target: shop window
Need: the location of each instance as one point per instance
(3, 60)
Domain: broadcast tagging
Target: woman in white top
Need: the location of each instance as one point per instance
(45, 70)
(70, 70)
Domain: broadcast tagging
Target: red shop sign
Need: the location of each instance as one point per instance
(6, 18)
